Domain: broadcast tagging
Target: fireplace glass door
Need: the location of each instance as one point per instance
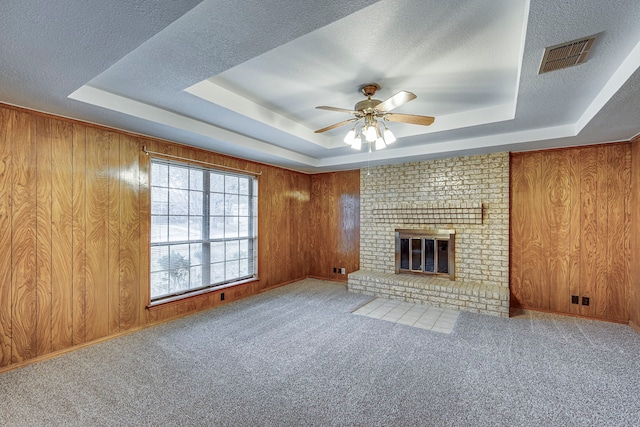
(430, 254)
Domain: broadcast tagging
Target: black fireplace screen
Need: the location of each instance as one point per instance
(424, 251)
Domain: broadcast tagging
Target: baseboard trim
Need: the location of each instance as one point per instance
(515, 311)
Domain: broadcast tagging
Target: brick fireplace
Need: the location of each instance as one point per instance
(468, 196)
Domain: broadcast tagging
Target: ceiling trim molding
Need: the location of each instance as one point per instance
(451, 147)
(223, 97)
(141, 110)
(613, 85)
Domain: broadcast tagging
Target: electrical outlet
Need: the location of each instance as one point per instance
(585, 300)
(574, 299)
(343, 271)
(222, 296)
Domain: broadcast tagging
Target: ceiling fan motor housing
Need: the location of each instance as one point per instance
(366, 105)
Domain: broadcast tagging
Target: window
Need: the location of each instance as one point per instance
(203, 228)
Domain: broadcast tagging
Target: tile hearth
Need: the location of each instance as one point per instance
(435, 319)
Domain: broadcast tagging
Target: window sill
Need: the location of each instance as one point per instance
(155, 305)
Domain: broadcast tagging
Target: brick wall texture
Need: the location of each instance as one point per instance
(482, 250)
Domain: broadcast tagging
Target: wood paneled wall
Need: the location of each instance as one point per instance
(74, 232)
(570, 230)
(335, 219)
(634, 291)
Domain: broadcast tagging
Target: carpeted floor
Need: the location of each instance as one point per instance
(297, 356)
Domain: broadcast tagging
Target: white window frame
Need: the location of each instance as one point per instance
(203, 230)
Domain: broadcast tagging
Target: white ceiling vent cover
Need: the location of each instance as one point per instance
(566, 54)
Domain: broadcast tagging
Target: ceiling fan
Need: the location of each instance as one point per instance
(371, 110)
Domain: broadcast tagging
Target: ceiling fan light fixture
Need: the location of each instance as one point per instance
(357, 143)
(369, 115)
(371, 133)
(389, 137)
(350, 137)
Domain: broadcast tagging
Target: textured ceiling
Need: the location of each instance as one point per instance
(244, 78)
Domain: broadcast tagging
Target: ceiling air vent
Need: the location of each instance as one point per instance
(566, 54)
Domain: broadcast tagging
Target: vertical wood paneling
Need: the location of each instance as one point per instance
(617, 294)
(583, 230)
(23, 237)
(575, 230)
(75, 257)
(349, 229)
(533, 290)
(634, 208)
(129, 234)
(335, 224)
(588, 223)
(598, 306)
(113, 234)
(79, 233)
(97, 237)
(62, 235)
(516, 226)
(43, 236)
(558, 209)
(6, 131)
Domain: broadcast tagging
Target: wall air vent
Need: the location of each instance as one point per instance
(566, 54)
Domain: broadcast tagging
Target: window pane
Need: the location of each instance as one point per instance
(217, 182)
(243, 185)
(159, 229)
(243, 205)
(216, 227)
(160, 174)
(230, 227)
(159, 283)
(195, 202)
(232, 270)
(230, 204)
(179, 265)
(216, 204)
(195, 179)
(244, 267)
(178, 216)
(179, 202)
(195, 227)
(178, 228)
(231, 184)
(243, 223)
(195, 277)
(178, 177)
(217, 251)
(217, 272)
(159, 200)
(232, 250)
(158, 253)
(195, 253)
(244, 249)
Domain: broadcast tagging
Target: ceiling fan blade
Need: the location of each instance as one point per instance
(409, 118)
(395, 101)
(337, 125)
(340, 110)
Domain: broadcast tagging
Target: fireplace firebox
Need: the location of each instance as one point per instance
(429, 252)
